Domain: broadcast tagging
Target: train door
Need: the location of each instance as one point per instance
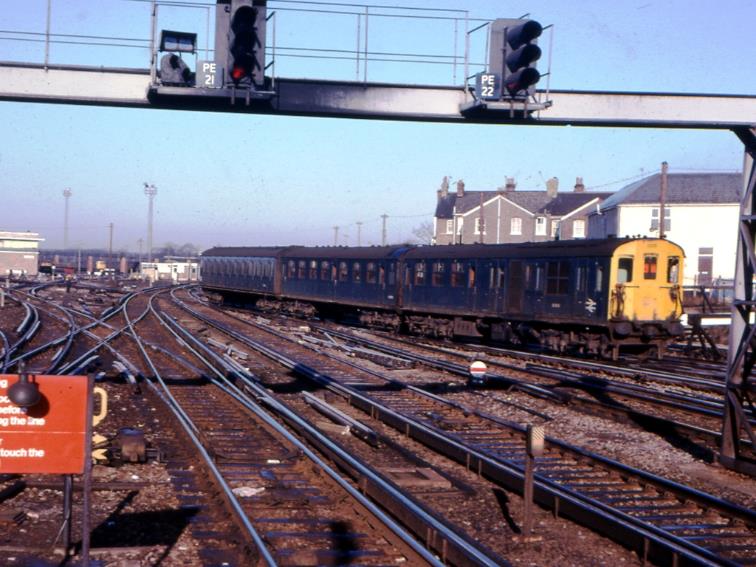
(534, 287)
(515, 287)
(584, 306)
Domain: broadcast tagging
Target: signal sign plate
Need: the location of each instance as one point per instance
(209, 75)
(50, 436)
(488, 86)
(478, 369)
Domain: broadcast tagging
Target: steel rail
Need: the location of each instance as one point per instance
(472, 553)
(191, 430)
(549, 490)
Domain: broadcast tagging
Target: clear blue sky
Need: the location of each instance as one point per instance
(229, 179)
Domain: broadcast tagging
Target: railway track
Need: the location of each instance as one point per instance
(660, 519)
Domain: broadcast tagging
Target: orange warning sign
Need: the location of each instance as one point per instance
(49, 437)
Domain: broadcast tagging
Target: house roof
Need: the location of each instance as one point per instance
(682, 188)
(533, 201)
(565, 203)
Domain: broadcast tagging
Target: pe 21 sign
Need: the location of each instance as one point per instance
(488, 86)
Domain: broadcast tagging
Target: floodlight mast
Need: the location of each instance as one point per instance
(150, 191)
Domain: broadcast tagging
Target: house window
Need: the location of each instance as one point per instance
(649, 266)
(625, 270)
(450, 226)
(578, 228)
(437, 278)
(667, 219)
(540, 227)
(457, 274)
(420, 273)
(516, 226)
(673, 269)
(480, 226)
(557, 277)
(554, 228)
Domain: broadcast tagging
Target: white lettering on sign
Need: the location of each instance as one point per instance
(208, 72)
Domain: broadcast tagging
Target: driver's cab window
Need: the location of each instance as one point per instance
(625, 270)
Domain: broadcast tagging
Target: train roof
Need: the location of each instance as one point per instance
(559, 248)
(345, 252)
(237, 251)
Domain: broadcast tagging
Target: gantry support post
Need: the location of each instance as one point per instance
(741, 354)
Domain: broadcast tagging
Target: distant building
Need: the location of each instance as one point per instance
(19, 253)
(701, 215)
(175, 271)
(507, 215)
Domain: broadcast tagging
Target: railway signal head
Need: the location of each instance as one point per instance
(246, 43)
(514, 53)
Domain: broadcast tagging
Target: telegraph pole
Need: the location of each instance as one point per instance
(66, 196)
(110, 240)
(335, 235)
(383, 234)
(150, 191)
(359, 233)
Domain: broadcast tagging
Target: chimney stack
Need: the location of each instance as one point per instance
(510, 186)
(579, 187)
(460, 188)
(443, 192)
(552, 186)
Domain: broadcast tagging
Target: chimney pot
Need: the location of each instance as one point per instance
(510, 186)
(579, 186)
(552, 186)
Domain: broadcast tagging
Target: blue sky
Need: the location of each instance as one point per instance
(229, 179)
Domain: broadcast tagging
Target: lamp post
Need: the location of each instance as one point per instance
(66, 196)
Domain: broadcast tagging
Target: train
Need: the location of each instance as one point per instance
(585, 296)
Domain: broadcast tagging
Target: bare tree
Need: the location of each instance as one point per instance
(423, 233)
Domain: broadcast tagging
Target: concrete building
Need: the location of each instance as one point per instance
(508, 216)
(19, 253)
(175, 271)
(701, 214)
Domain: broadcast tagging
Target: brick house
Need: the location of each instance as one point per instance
(507, 215)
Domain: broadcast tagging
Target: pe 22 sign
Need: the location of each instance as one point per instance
(488, 86)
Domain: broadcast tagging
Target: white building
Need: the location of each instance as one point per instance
(174, 271)
(19, 253)
(701, 215)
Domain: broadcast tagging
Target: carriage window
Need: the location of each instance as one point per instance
(343, 272)
(457, 274)
(673, 269)
(420, 273)
(557, 277)
(471, 276)
(333, 272)
(356, 272)
(324, 270)
(382, 275)
(292, 269)
(370, 273)
(580, 278)
(392, 274)
(437, 278)
(599, 278)
(625, 270)
(313, 270)
(649, 266)
(301, 272)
